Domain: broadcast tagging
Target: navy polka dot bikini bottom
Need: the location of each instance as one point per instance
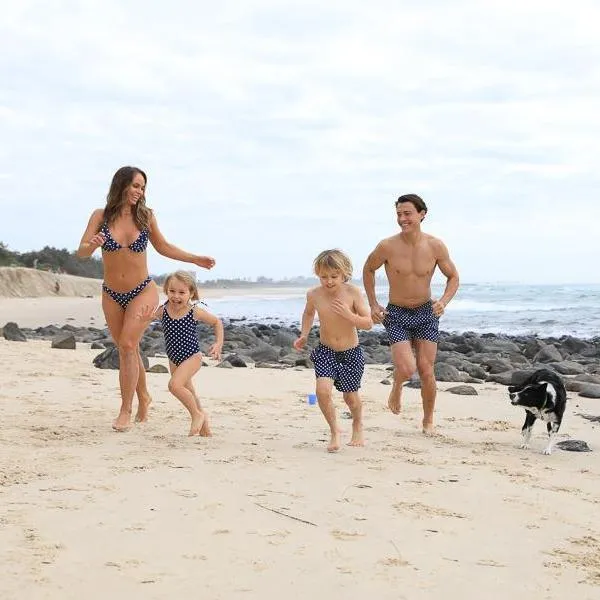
(124, 298)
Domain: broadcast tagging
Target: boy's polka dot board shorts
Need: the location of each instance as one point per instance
(345, 367)
(406, 324)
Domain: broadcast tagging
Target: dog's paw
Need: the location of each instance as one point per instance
(524, 446)
(547, 451)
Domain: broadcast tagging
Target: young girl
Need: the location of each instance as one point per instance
(178, 317)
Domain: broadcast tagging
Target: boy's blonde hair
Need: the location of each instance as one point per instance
(333, 260)
(185, 278)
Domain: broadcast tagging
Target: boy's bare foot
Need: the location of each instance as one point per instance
(395, 400)
(428, 428)
(122, 422)
(334, 443)
(357, 435)
(206, 431)
(142, 411)
(197, 423)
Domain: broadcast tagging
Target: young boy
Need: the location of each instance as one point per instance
(338, 359)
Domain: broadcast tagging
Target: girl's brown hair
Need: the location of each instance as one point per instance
(114, 200)
(185, 278)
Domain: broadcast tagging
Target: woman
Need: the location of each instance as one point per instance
(127, 288)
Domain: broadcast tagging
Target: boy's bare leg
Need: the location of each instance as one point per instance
(177, 386)
(324, 388)
(404, 366)
(205, 431)
(144, 399)
(352, 399)
(426, 352)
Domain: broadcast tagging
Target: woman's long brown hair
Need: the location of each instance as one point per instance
(114, 200)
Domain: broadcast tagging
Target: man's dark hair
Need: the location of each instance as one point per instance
(415, 200)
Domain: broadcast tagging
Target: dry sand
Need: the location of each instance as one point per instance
(88, 513)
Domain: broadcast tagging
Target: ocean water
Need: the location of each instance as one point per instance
(544, 310)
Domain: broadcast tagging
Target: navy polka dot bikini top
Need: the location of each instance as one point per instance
(111, 245)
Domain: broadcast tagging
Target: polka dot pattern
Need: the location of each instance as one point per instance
(111, 245)
(406, 324)
(345, 367)
(124, 298)
(181, 336)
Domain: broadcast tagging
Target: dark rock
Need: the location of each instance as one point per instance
(235, 361)
(225, 365)
(573, 445)
(109, 359)
(463, 390)
(548, 354)
(502, 378)
(444, 372)
(386, 382)
(64, 341)
(264, 353)
(97, 346)
(567, 367)
(590, 390)
(12, 333)
(158, 368)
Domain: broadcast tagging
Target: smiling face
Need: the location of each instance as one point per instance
(178, 293)
(409, 218)
(331, 279)
(134, 192)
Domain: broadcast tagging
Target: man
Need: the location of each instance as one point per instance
(411, 318)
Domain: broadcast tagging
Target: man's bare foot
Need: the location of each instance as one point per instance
(334, 443)
(395, 400)
(197, 423)
(206, 431)
(142, 411)
(428, 428)
(357, 435)
(122, 422)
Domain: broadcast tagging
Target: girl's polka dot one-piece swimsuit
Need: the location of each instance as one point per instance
(181, 336)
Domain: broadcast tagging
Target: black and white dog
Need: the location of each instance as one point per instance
(543, 396)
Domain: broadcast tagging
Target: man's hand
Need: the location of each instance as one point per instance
(300, 342)
(438, 308)
(377, 313)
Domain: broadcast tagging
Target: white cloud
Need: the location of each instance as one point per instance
(271, 129)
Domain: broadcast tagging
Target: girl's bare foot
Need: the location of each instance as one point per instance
(122, 422)
(334, 443)
(197, 423)
(357, 435)
(142, 411)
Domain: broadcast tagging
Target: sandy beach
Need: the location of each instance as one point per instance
(261, 509)
(152, 513)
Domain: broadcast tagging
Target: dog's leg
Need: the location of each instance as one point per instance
(552, 430)
(526, 430)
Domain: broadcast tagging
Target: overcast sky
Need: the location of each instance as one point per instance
(271, 130)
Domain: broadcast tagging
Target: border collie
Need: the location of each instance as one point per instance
(543, 396)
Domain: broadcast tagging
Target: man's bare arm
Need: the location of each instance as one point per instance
(449, 270)
(374, 261)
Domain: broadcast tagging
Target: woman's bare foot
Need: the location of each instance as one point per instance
(357, 435)
(197, 423)
(206, 431)
(334, 443)
(395, 400)
(142, 411)
(122, 422)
